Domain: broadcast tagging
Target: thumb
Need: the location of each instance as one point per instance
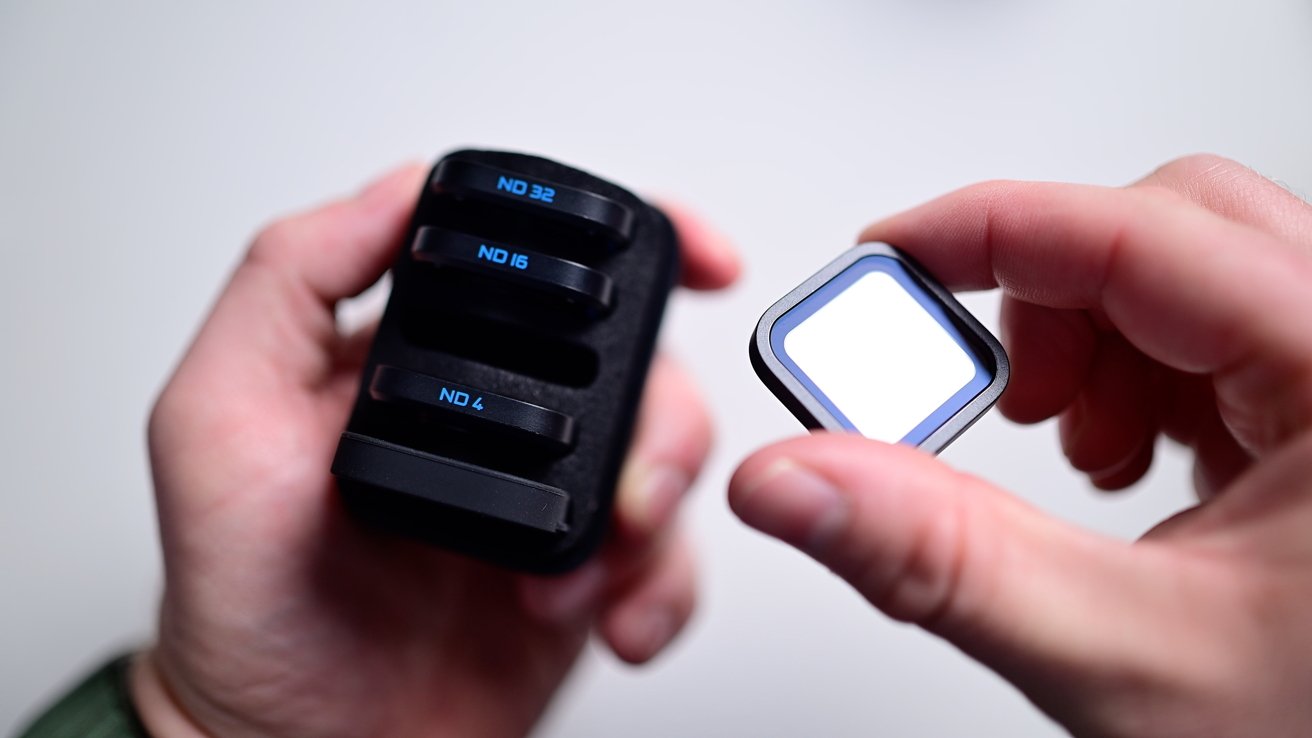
(1048, 606)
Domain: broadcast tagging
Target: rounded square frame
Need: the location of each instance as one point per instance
(817, 413)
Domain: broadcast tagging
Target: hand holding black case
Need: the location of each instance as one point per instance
(499, 395)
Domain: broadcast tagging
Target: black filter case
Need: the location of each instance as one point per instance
(499, 396)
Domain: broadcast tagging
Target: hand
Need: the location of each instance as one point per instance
(281, 616)
(1180, 306)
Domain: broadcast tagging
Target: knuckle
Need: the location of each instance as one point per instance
(1159, 194)
(989, 194)
(927, 581)
(1196, 165)
(1204, 178)
(999, 189)
(927, 584)
(1000, 200)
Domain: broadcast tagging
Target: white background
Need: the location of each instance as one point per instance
(141, 144)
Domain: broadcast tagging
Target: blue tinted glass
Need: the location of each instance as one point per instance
(804, 310)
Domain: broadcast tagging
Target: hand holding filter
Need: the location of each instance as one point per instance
(873, 344)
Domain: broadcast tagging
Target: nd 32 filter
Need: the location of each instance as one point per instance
(873, 344)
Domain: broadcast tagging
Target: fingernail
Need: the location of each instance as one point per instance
(794, 504)
(650, 494)
(569, 598)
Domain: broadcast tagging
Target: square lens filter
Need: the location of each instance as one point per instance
(873, 344)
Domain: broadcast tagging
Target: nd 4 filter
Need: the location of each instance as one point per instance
(874, 344)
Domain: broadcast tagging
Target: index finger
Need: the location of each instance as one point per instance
(709, 260)
(275, 317)
(1187, 287)
(1238, 193)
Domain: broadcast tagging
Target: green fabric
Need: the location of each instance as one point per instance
(99, 707)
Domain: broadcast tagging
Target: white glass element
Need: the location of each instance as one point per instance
(879, 357)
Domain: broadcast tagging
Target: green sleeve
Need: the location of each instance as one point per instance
(99, 707)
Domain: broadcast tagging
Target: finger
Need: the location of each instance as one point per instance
(1105, 432)
(274, 322)
(646, 614)
(1127, 472)
(1188, 288)
(352, 351)
(1237, 193)
(709, 260)
(570, 599)
(576, 597)
(353, 347)
(671, 442)
(1188, 414)
(1049, 607)
(1050, 351)
(1218, 458)
(338, 250)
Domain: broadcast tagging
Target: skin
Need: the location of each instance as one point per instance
(1174, 307)
(1181, 307)
(280, 616)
